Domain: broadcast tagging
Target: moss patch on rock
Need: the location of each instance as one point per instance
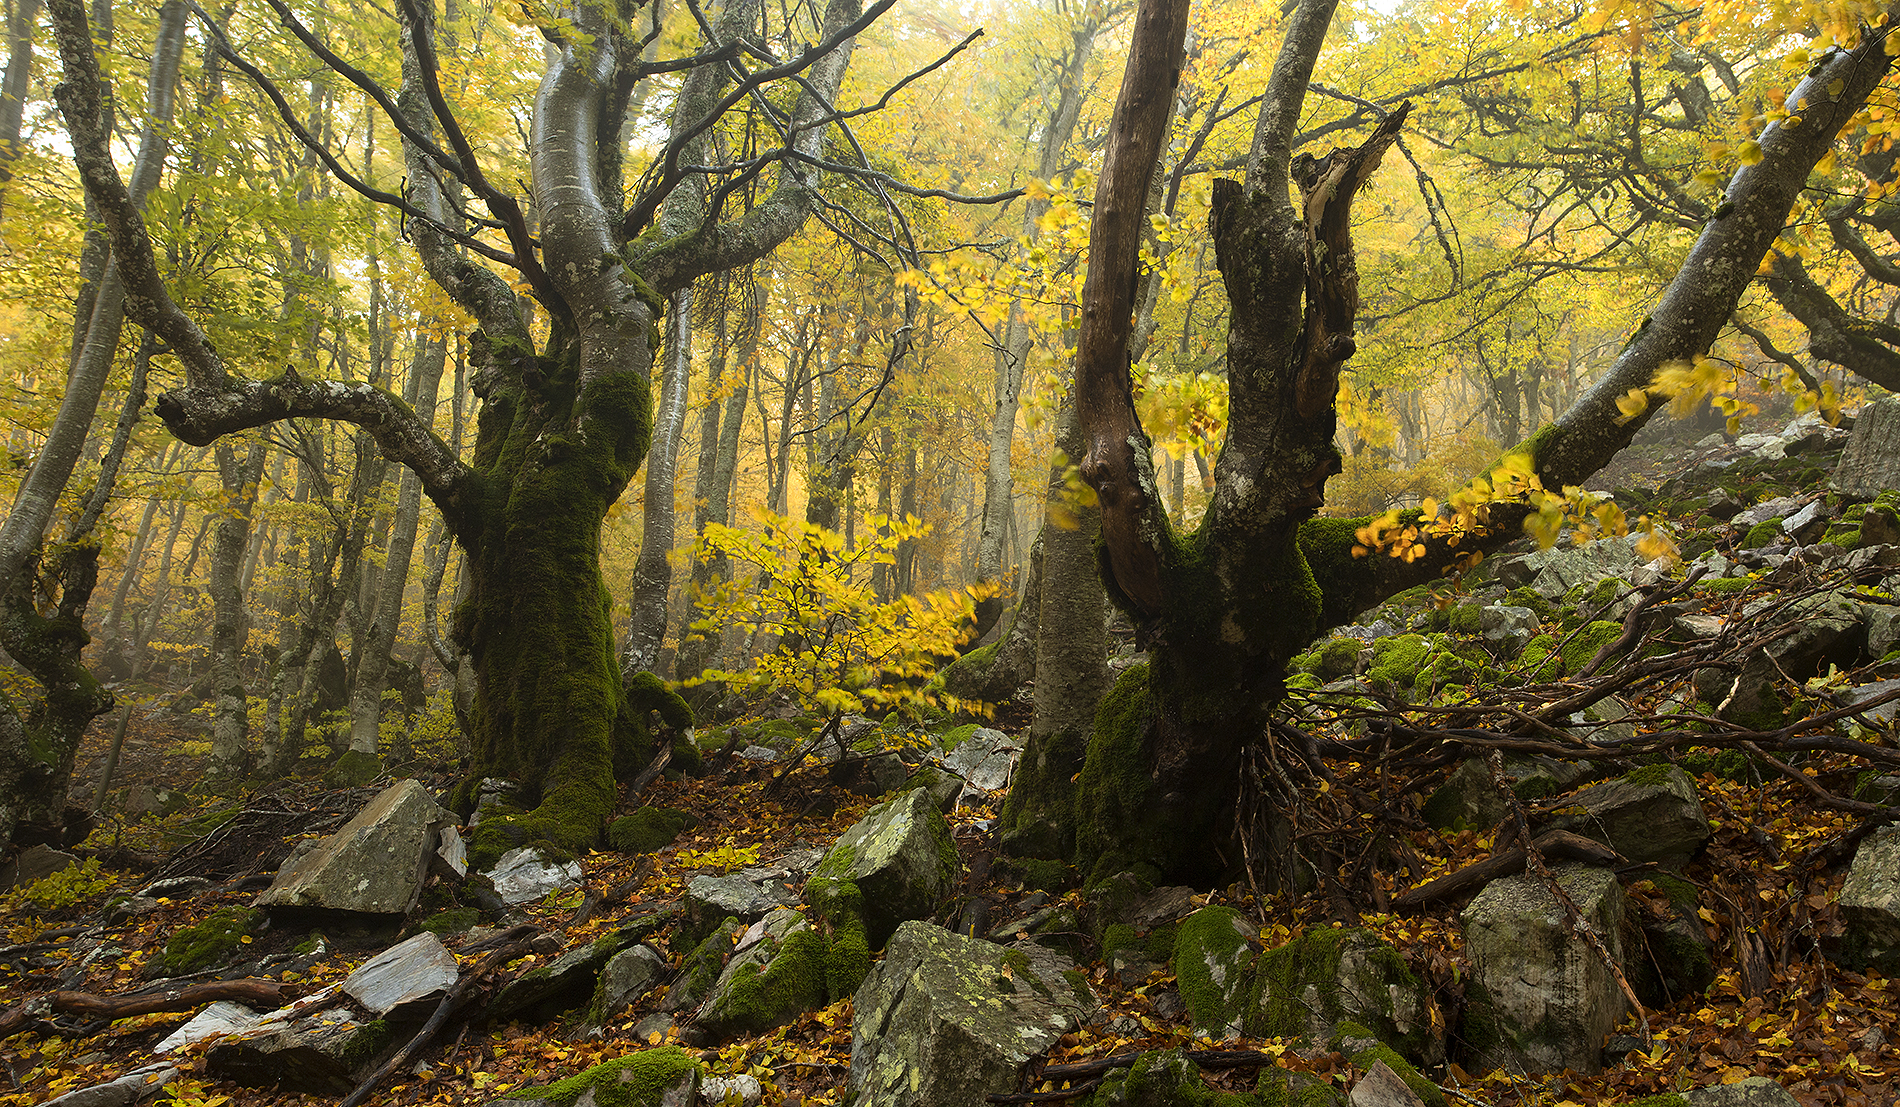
(648, 829)
(635, 1080)
(211, 943)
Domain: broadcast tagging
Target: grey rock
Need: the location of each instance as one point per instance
(1552, 999)
(944, 1020)
(524, 876)
(405, 980)
(562, 984)
(1279, 1085)
(375, 865)
(731, 1091)
(902, 857)
(624, 979)
(1870, 904)
(142, 1083)
(1605, 721)
(1696, 627)
(759, 753)
(1808, 524)
(1883, 628)
(1504, 623)
(222, 1017)
(1158, 1078)
(1717, 565)
(1778, 508)
(1767, 446)
(1756, 1091)
(325, 1052)
(986, 759)
(34, 863)
(1871, 462)
(1381, 1087)
(1827, 631)
(1652, 814)
(451, 853)
(715, 897)
(1873, 716)
(700, 971)
(877, 775)
(1162, 905)
(1555, 571)
(1469, 796)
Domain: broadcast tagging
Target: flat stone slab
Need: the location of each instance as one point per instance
(138, 1084)
(406, 980)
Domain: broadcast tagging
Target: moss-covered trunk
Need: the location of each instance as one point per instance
(549, 706)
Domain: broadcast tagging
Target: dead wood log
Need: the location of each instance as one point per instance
(250, 992)
(1557, 844)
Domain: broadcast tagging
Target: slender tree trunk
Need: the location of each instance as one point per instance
(653, 571)
(230, 622)
(712, 488)
(21, 15)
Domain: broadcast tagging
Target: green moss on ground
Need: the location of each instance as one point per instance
(211, 943)
(1584, 644)
(648, 829)
(1762, 534)
(635, 1080)
(1397, 661)
(354, 769)
(1526, 596)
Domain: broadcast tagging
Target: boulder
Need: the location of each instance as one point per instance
(715, 897)
(624, 979)
(1879, 714)
(944, 1020)
(1650, 814)
(1156, 1079)
(1214, 952)
(526, 875)
(664, 1077)
(1827, 631)
(34, 863)
(895, 864)
(1756, 1091)
(1871, 462)
(1539, 999)
(1508, 626)
(328, 1052)
(406, 980)
(375, 865)
(1553, 572)
(879, 774)
(222, 1017)
(1677, 959)
(701, 969)
(986, 759)
(1381, 1087)
(563, 983)
(1870, 904)
(141, 1083)
(1329, 980)
(1470, 799)
(775, 974)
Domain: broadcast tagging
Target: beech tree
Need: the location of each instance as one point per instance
(566, 420)
(1222, 609)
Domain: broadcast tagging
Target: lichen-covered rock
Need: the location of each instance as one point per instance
(1311, 987)
(1871, 462)
(1652, 814)
(1756, 1091)
(626, 976)
(1540, 999)
(329, 1051)
(776, 973)
(1870, 904)
(701, 969)
(375, 865)
(895, 864)
(665, 1077)
(1214, 952)
(1381, 1087)
(715, 897)
(1827, 631)
(139, 1084)
(944, 1020)
(986, 759)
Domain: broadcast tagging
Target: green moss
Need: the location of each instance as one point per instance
(1211, 936)
(369, 1042)
(635, 1080)
(847, 959)
(1301, 981)
(1292, 1088)
(1526, 596)
(1305, 682)
(1428, 1093)
(1584, 644)
(1043, 875)
(310, 945)
(648, 829)
(956, 736)
(211, 943)
(1762, 534)
(1339, 657)
(1120, 936)
(354, 769)
(453, 921)
(793, 982)
(1113, 787)
(1157, 1078)
(1650, 775)
(1444, 809)
(1398, 660)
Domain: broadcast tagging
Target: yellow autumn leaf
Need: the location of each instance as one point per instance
(1631, 404)
(1750, 153)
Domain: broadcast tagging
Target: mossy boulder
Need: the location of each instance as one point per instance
(374, 865)
(1156, 1079)
(1214, 953)
(641, 1079)
(776, 973)
(897, 863)
(213, 942)
(701, 968)
(1469, 800)
(1279, 1087)
(648, 829)
(1870, 905)
(560, 985)
(944, 1020)
(1328, 978)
